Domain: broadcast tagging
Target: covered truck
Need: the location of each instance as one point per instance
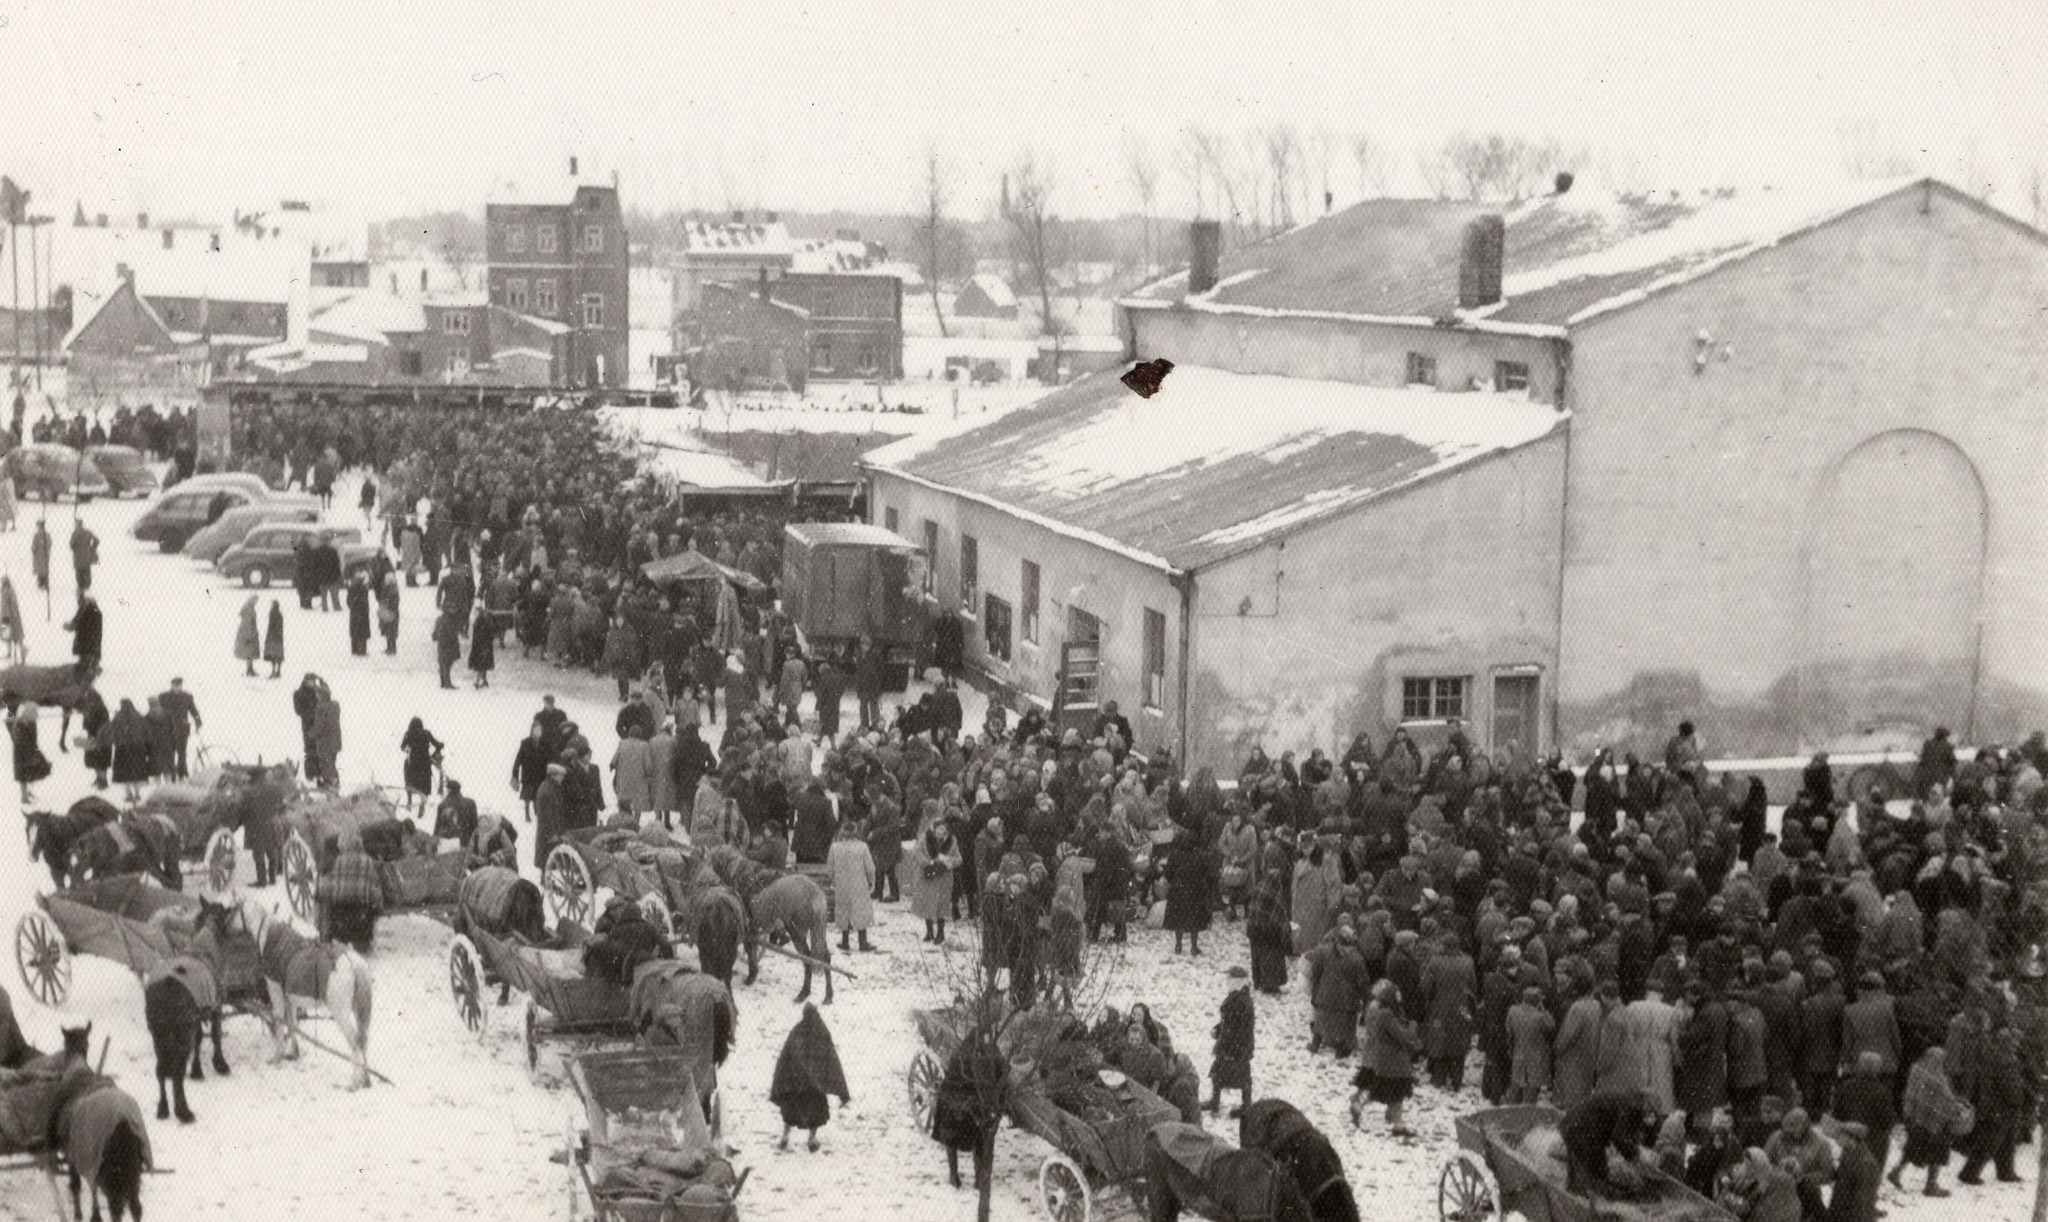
(845, 580)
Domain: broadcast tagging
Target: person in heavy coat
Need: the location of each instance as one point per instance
(1190, 891)
(1386, 1072)
(550, 813)
(631, 780)
(128, 736)
(1935, 1118)
(973, 1098)
(1857, 1171)
(1450, 990)
(92, 722)
(422, 750)
(936, 856)
(1338, 983)
(248, 638)
(1318, 884)
(1866, 1098)
(1575, 1060)
(273, 640)
(675, 1006)
(483, 649)
(853, 882)
(661, 769)
(1230, 1067)
(1870, 1024)
(1265, 927)
(806, 1073)
(1530, 1032)
(1703, 1054)
(358, 599)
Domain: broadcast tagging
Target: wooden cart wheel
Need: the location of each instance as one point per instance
(656, 910)
(925, 1075)
(220, 861)
(1467, 1191)
(1063, 1190)
(301, 877)
(570, 892)
(40, 953)
(466, 982)
(532, 1037)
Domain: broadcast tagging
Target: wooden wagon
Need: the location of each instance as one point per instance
(560, 1000)
(577, 870)
(427, 884)
(119, 918)
(203, 809)
(1097, 1167)
(1510, 1161)
(640, 1093)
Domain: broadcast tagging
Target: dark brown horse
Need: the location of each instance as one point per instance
(133, 844)
(52, 837)
(63, 686)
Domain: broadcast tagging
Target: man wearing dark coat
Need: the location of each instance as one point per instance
(178, 705)
(358, 600)
(815, 825)
(550, 813)
(87, 630)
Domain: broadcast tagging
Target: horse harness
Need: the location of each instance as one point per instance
(298, 963)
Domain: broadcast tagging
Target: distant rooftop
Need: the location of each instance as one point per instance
(737, 238)
(1215, 463)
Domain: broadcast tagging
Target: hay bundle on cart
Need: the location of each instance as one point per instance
(498, 900)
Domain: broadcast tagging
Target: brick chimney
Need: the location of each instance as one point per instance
(1479, 262)
(1205, 251)
(125, 273)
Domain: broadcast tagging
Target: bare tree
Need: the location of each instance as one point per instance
(1321, 153)
(1143, 170)
(1034, 230)
(932, 233)
(1282, 148)
(1373, 170)
(1494, 165)
(1191, 159)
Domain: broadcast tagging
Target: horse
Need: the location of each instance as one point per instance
(177, 999)
(793, 905)
(63, 686)
(52, 837)
(295, 966)
(721, 925)
(134, 844)
(1278, 1127)
(1187, 1168)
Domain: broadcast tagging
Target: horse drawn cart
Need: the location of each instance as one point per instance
(592, 859)
(1097, 1167)
(424, 882)
(128, 919)
(208, 809)
(648, 1155)
(1511, 1162)
(554, 983)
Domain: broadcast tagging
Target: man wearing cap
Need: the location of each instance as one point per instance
(1337, 984)
(1870, 1024)
(178, 705)
(550, 810)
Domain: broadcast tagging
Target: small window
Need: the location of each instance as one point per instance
(1421, 370)
(1028, 602)
(593, 309)
(970, 571)
(1510, 375)
(545, 239)
(821, 356)
(996, 627)
(593, 239)
(889, 519)
(458, 365)
(455, 324)
(410, 364)
(1432, 699)
(1155, 659)
(931, 552)
(544, 298)
(515, 291)
(515, 239)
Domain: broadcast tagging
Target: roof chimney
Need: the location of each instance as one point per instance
(125, 273)
(572, 167)
(142, 220)
(1564, 181)
(1479, 262)
(1205, 250)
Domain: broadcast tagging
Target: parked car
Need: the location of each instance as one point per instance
(269, 551)
(46, 471)
(184, 511)
(234, 525)
(124, 469)
(252, 484)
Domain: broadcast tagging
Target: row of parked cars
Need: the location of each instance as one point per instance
(248, 531)
(46, 471)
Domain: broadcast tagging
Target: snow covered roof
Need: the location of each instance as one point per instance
(457, 299)
(545, 190)
(1215, 463)
(993, 288)
(824, 255)
(731, 239)
(546, 326)
(1568, 258)
(370, 313)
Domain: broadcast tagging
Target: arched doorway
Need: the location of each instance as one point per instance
(1894, 587)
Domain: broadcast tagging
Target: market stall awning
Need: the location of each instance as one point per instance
(696, 566)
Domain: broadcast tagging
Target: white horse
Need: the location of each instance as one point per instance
(295, 966)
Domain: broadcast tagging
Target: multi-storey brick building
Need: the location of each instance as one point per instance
(566, 263)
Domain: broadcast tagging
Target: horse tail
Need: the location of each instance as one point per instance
(121, 1164)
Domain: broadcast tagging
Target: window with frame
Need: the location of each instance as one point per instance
(1433, 698)
(931, 553)
(996, 627)
(515, 239)
(1510, 375)
(970, 571)
(544, 297)
(455, 324)
(1421, 369)
(593, 239)
(545, 239)
(515, 293)
(1027, 583)
(889, 519)
(1155, 659)
(593, 309)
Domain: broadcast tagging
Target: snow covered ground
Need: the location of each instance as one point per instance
(466, 1131)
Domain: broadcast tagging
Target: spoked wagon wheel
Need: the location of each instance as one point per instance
(1467, 1191)
(925, 1075)
(570, 892)
(466, 982)
(656, 910)
(220, 860)
(301, 877)
(40, 952)
(1063, 1190)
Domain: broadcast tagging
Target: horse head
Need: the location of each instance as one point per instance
(37, 827)
(77, 1042)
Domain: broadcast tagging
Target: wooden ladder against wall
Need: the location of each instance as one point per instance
(1077, 699)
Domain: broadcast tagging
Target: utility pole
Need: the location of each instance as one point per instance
(39, 285)
(14, 203)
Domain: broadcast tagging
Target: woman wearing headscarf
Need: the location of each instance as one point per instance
(937, 856)
(30, 764)
(421, 750)
(806, 1073)
(248, 638)
(1386, 1074)
(387, 612)
(483, 648)
(273, 640)
(128, 735)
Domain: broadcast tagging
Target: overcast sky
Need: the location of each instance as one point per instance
(380, 106)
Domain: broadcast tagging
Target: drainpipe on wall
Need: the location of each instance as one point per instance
(1563, 350)
(1185, 583)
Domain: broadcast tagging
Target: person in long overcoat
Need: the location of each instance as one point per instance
(1575, 1060)
(630, 778)
(1450, 990)
(358, 599)
(1703, 1054)
(248, 638)
(973, 1098)
(327, 738)
(530, 765)
(550, 813)
(694, 762)
(483, 648)
(1190, 891)
(1265, 927)
(661, 769)
(273, 640)
(421, 749)
(936, 857)
(387, 612)
(806, 1072)
(674, 1006)
(853, 882)
(93, 717)
(1317, 886)
(1530, 1032)
(128, 735)
(1337, 987)
(1235, 1035)
(831, 688)
(1386, 1072)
